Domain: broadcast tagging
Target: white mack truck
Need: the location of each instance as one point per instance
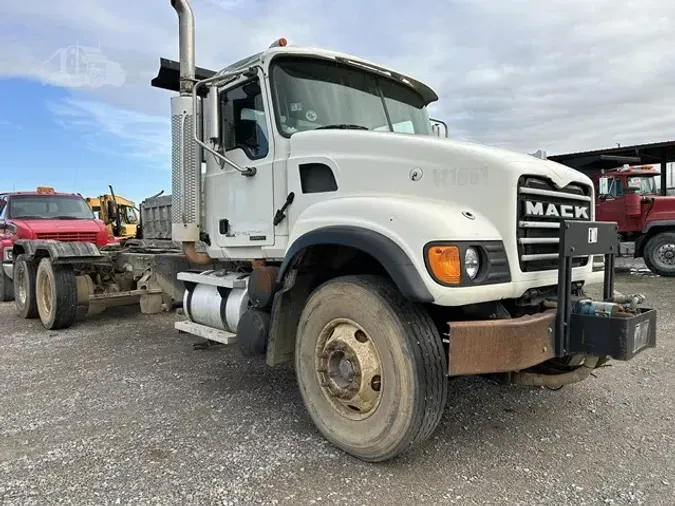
(378, 257)
(336, 229)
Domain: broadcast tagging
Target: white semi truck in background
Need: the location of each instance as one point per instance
(342, 234)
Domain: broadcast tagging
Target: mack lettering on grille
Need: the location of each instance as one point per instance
(556, 210)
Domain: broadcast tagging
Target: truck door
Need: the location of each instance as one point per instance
(244, 205)
(610, 205)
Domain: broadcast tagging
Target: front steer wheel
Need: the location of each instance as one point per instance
(659, 254)
(370, 366)
(56, 294)
(24, 286)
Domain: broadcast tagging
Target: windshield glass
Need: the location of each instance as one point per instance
(645, 185)
(49, 207)
(311, 94)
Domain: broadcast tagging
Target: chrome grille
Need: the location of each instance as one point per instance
(541, 208)
(69, 236)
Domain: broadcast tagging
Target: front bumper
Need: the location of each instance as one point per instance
(8, 269)
(495, 346)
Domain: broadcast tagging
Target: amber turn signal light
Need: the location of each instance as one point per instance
(444, 263)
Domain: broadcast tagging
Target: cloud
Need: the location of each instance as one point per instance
(114, 131)
(560, 75)
(5, 123)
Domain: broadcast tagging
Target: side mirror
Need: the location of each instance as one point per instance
(211, 114)
(6, 226)
(112, 211)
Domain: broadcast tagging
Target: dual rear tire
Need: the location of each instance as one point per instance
(48, 291)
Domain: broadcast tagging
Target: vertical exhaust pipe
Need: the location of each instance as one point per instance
(186, 44)
(186, 156)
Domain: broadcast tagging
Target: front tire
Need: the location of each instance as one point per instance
(659, 254)
(24, 286)
(56, 294)
(370, 366)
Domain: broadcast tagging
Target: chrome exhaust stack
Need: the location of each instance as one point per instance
(186, 44)
(186, 155)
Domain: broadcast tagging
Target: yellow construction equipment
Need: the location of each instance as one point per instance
(119, 214)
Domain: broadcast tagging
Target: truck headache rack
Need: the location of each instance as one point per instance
(595, 327)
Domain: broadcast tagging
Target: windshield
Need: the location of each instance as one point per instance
(311, 94)
(49, 207)
(645, 185)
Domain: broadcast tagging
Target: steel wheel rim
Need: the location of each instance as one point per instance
(44, 290)
(21, 280)
(349, 369)
(666, 255)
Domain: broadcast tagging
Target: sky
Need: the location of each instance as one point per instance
(559, 75)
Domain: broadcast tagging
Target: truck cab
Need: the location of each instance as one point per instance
(629, 197)
(46, 215)
(118, 213)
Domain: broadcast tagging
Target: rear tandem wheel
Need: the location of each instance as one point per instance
(56, 294)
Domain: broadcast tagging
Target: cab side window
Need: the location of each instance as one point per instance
(611, 187)
(3, 206)
(244, 122)
(615, 188)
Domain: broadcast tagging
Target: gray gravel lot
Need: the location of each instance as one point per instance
(121, 410)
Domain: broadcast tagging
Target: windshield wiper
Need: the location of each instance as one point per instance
(67, 218)
(342, 126)
(28, 217)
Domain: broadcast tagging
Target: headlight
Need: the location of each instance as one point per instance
(7, 254)
(467, 263)
(471, 262)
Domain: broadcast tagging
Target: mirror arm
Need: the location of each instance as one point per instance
(441, 122)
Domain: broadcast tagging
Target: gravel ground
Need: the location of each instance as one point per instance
(121, 410)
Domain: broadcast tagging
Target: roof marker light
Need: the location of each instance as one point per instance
(279, 42)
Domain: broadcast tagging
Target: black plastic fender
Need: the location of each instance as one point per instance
(57, 250)
(389, 254)
(659, 223)
(640, 242)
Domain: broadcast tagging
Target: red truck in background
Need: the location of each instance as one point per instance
(47, 215)
(629, 196)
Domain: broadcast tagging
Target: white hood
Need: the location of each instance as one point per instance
(477, 176)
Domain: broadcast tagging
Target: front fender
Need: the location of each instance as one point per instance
(400, 226)
(394, 260)
(57, 250)
(651, 224)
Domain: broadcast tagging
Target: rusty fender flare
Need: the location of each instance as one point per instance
(556, 380)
